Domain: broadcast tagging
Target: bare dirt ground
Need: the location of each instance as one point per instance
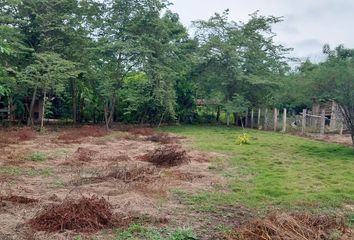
(37, 171)
(344, 139)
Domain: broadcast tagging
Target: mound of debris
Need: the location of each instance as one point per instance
(142, 131)
(81, 156)
(76, 135)
(163, 138)
(283, 226)
(88, 214)
(17, 199)
(167, 156)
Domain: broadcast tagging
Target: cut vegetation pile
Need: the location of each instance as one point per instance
(294, 226)
(85, 215)
(76, 135)
(134, 173)
(142, 131)
(163, 138)
(167, 156)
(18, 135)
(17, 199)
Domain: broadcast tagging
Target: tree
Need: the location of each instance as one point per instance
(49, 74)
(239, 59)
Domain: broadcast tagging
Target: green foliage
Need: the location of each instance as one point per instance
(37, 157)
(243, 139)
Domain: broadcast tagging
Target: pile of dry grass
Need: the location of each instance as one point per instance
(167, 156)
(133, 173)
(142, 131)
(25, 134)
(88, 214)
(127, 174)
(81, 156)
(76, 135)
(284, 226)
(14, 136)
(17, 199)
(163, 138)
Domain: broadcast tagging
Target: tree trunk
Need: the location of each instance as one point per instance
(235, 118)
(109, 111)
(74, 99)
(30, 114)
(218, 114)
(43, 109)
(228, 119)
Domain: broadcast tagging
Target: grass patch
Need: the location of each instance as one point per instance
(18, 171)
(275, 170)
(137, 231)
(37, 157)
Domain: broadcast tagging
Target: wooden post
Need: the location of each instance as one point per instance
(259, 119)
(265, 119)
(303, 122)
(323, 121)
(341, 129)
(252, 118)
(284, 120)
(275, 119)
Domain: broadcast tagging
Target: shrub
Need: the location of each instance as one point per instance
(243, 139)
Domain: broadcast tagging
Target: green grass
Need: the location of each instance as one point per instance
(37, 157)
(18, 171)
(274, 170)
(137, 232)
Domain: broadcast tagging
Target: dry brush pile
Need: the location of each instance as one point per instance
(283, 226)
(76, 135)
(88, 214)
(167, 156)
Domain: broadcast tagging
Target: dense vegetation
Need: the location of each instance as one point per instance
(133, 61)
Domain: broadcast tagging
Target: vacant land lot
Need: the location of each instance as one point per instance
(187, 183)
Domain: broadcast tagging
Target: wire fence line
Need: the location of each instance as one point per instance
(288, 121)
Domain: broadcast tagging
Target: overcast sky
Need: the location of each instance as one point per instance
(307, 26)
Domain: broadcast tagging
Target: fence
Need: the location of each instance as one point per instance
(287, 121)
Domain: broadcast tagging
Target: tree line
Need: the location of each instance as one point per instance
(135, 62)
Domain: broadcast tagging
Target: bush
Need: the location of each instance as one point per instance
(243, 139)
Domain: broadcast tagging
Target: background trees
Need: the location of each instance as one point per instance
(133, 61)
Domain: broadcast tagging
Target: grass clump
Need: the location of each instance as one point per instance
(37, 157)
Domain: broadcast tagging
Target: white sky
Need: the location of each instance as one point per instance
(307, 26)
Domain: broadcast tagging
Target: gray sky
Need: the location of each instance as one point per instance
(307, 26)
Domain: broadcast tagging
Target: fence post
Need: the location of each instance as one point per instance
(284, 120)
(323, 121)
(265, 119)
(275, 119)
(304, 111)
(252, 118)
(259, 119)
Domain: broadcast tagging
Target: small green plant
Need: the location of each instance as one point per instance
(243, 139)
(182, 234)
(36, 157)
